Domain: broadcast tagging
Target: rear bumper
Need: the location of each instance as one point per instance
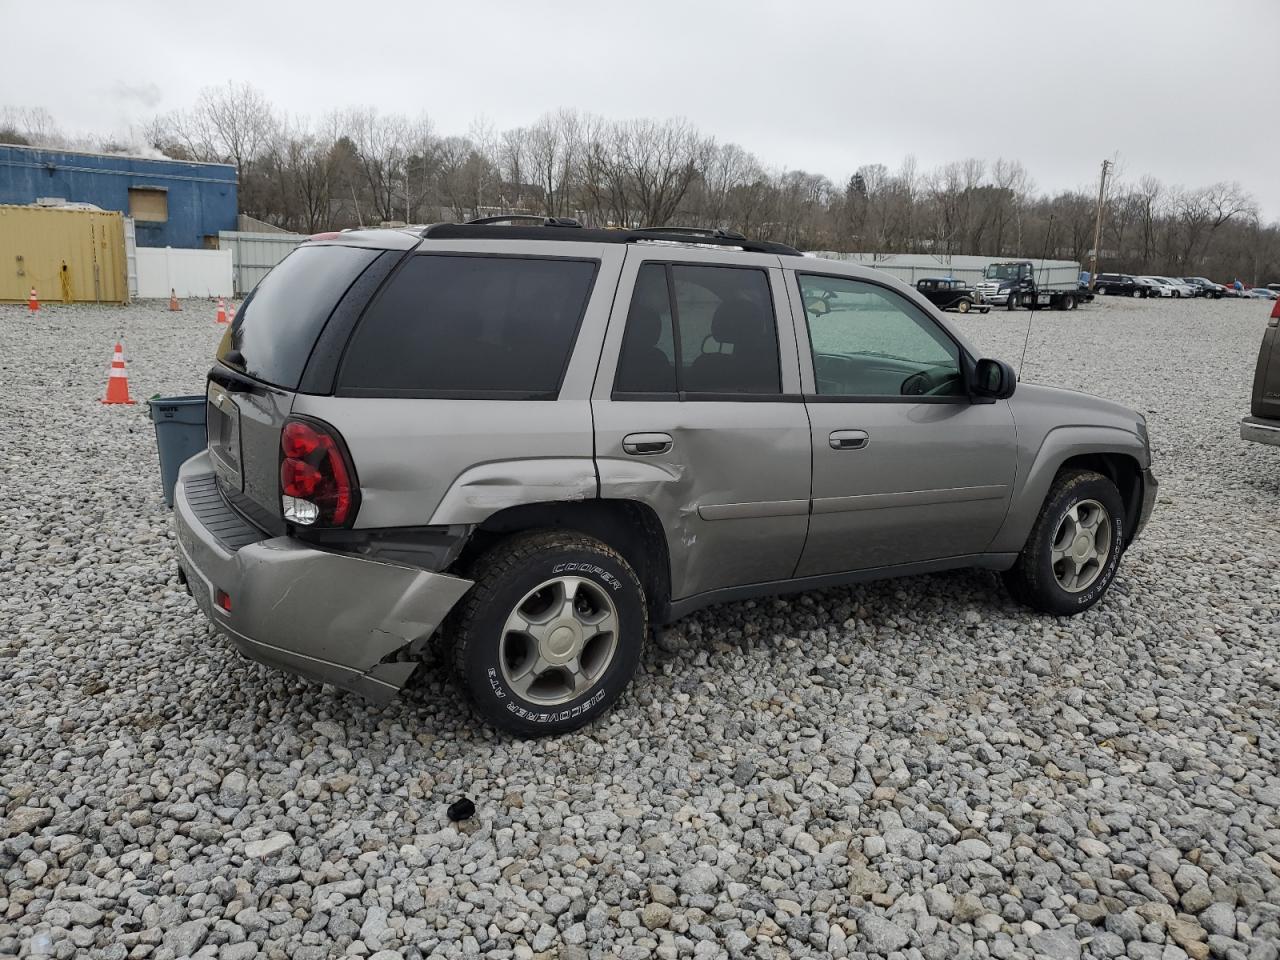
(328, 616)
(1258, 430)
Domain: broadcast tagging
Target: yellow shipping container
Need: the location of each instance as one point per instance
(65, 253)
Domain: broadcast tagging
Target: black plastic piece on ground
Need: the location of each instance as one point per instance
(461, 809)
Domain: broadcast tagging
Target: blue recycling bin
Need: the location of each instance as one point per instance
(180, 435)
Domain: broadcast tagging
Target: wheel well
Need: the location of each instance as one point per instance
(630, 527)
(1122, 470)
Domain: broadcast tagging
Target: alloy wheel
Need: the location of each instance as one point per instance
(1081, 546)
(559, 640)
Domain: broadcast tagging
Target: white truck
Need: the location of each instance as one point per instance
(1035, 284)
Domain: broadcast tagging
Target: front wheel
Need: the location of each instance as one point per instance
(964, 305)
(1074, 548)
(551, 634)
(1137, 292)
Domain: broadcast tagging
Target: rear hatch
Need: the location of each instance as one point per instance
(1266, 379)
(261, 363)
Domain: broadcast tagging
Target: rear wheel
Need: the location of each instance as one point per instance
(1069, 303)
(1074, 548)
(551, 634)
(1138, 292)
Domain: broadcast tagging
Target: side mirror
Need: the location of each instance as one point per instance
(994, 379)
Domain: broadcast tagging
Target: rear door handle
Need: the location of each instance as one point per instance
(849, 439)
(646, 444)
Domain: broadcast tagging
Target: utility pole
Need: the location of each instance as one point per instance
(1097, 227)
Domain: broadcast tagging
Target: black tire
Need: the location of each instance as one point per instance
(1012, 302)
(1069, 303)
(506, 574)
(964, 305)
(1032, 580)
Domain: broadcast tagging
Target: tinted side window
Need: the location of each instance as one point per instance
(470, 327)
(647, 361)
(728, 334)
(868, 341)
(278, 324)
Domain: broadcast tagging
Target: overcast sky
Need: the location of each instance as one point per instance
(1188, 91)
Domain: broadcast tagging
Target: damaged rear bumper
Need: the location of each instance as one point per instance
(356, 623)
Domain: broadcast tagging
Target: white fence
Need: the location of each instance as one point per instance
(910, 267)
(189, 273)
(253, 254)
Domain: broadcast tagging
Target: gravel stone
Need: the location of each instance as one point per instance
(881, 935)
(921, 761)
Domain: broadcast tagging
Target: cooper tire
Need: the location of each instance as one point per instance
(1033, 579)
(507, 578)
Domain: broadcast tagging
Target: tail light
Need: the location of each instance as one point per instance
(317, 483)
(1275, 312)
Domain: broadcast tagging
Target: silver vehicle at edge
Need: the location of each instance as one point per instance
(536, 443)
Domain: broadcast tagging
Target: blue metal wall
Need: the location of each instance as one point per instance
(201, 196)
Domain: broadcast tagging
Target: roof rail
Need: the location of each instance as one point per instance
(542, 221)
(486, 229)
(717, 233)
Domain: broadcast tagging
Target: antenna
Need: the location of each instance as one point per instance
(1032, 312)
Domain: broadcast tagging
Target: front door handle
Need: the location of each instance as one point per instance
(646, 444)
(849, 439)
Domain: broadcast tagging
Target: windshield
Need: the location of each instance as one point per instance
(1002, 271)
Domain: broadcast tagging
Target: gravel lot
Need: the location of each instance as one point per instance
(907, 769)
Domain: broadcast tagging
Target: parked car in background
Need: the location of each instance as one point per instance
(1117, 284)
(1180, 288)
(1262, 293)
(1146, 287)
(947, 293)
(1229, 290)
(1263, 425)
(1207, 287)
(652, 422)
(1161, 286)
(1274, 286)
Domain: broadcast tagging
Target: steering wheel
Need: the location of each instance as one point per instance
(934, 382)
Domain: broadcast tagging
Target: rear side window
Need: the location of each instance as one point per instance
(470, 327)
(721, 341)
(278, 324)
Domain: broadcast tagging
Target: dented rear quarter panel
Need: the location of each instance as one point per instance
(444, 461)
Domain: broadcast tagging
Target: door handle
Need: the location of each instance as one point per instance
(646, 444)
(849, 439)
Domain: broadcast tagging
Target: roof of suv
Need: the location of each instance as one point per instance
(549, 228)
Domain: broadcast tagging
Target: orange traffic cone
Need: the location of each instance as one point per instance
(117, 380)
(222, 311)
(173, 300)
(33, 302)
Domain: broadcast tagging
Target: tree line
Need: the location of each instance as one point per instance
(360, 167)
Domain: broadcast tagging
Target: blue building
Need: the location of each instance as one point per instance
(174, 203)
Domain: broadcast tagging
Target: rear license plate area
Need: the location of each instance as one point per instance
(224, 437)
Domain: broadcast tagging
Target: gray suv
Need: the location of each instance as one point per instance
(537, 443)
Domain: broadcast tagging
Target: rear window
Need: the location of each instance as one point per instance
(470, 327)
(278, 324)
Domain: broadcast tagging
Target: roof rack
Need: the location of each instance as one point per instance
(487, 229)
(705, 232)
(541, 221)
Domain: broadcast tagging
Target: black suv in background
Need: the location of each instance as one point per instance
(1119, 284)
